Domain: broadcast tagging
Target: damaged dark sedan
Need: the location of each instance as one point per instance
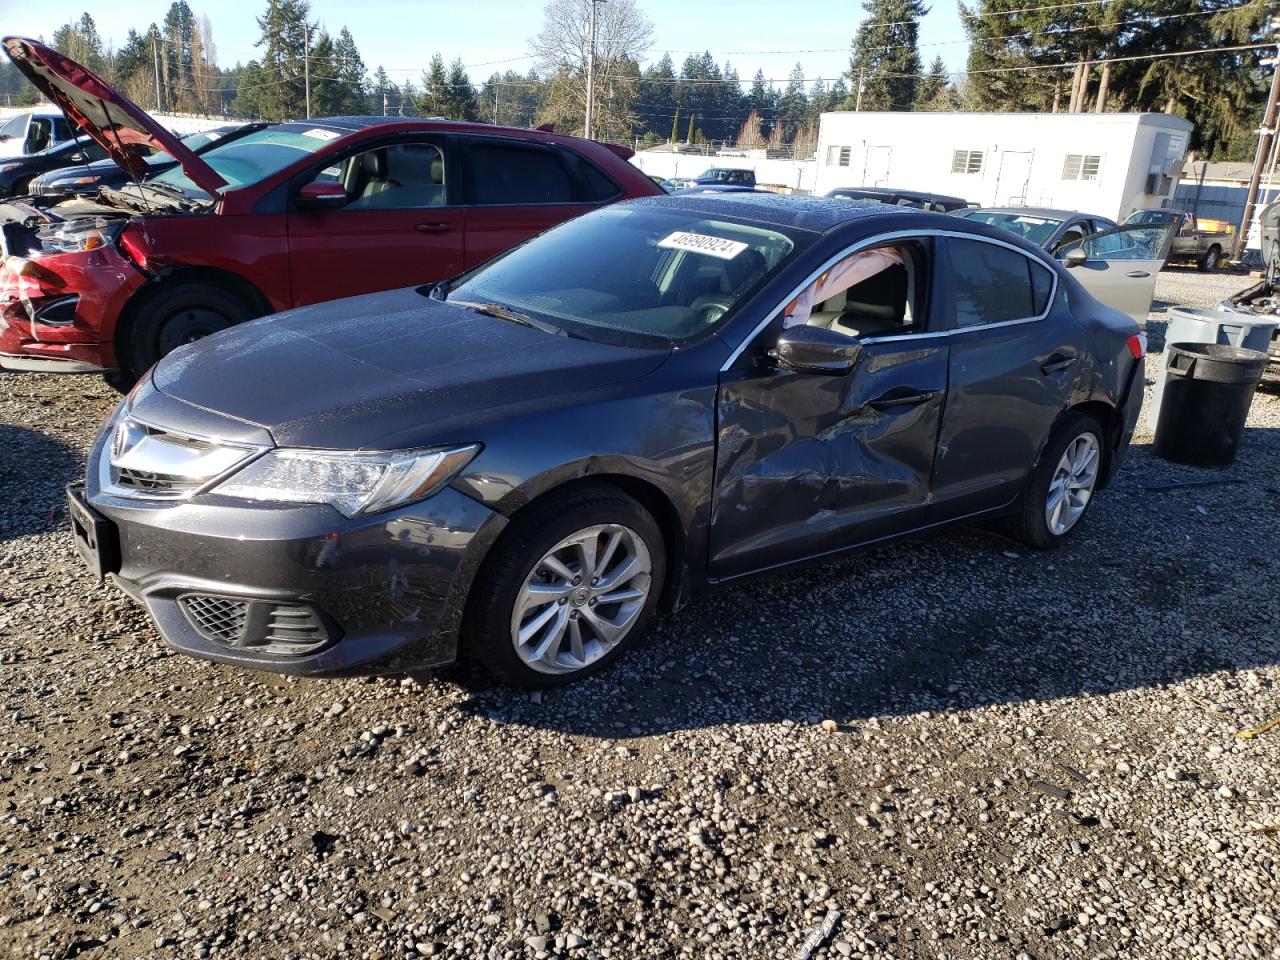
(524, 464)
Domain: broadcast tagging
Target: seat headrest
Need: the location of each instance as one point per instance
(374, 163)
(437, 170)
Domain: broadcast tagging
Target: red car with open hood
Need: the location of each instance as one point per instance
(292, 214)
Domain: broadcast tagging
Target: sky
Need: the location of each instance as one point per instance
(402, 35)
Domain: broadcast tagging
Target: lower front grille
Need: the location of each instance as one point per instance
(219, 619)
(263, 626)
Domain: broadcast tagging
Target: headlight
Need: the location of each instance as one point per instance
(74, 236)
(353, 483)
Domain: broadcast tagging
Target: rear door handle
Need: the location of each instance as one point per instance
(1057, 363)
(435, 226)
(891, 400)
(1138, 274)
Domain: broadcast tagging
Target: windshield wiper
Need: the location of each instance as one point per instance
(514, 316)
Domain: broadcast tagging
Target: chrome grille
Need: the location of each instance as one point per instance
(220, 619)
(148, 461)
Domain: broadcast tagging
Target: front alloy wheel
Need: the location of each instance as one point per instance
(581, 599)
(1072, 484)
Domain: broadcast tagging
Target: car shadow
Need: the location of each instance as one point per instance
(958, 620)
(34, 468)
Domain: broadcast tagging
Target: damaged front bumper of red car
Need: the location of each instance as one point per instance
(52, 306)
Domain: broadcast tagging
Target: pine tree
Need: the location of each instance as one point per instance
(793, 104)
(460, 96)
(349, 71)
(886, 54)
(434, 99)
(382, 91)
(932, 91)
(278, 88)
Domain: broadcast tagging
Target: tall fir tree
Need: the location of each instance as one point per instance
(886, 55)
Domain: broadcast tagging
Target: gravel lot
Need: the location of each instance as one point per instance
(968, 749)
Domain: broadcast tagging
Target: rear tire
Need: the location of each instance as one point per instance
(1064, 479)
(175, 315)
(1209, 262)
(516, 594)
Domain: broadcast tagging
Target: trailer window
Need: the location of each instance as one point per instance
(1081, 166)
(966, 161)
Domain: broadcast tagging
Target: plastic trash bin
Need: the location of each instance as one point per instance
(1206, 402)
(1195, 325)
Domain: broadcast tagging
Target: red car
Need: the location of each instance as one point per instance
(289, 215)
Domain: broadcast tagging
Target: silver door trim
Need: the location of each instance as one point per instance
(903, 235)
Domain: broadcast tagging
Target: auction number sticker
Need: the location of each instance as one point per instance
(320, 133)
(701, 243)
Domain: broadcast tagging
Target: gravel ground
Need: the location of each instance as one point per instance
(968, 749)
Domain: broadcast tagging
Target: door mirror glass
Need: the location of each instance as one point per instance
(807, 349)
(1075, 257)
(322, 195)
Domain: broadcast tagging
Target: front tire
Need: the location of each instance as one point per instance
(566, 589)
(175, 315)
(1209, 262)
(1062, 485)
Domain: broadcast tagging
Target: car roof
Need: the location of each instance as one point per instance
(818, 214)
(894, 192)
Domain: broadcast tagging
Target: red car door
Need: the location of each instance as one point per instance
(517, 190)
(398, 227)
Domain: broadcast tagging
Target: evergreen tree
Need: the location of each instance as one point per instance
(79, 40)
(886, 54)
(932, 91)
(656, 103)
(349, 70)
(326, 88)
(382, 92)
(434, 99)
(176, 55)
(460, 96)
(793, 105)
(277, 90)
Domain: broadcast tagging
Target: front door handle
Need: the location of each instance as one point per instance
(891, 400)
(1138, 274)
(435, 226)
(1056, 364)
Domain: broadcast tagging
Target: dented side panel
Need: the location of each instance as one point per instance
(805, 466)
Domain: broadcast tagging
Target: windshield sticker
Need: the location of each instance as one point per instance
(320, 133)
(701, 243)
(1034, 221)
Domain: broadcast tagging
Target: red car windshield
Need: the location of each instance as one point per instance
(256, 156)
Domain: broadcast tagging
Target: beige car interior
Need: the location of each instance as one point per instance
(869, 294)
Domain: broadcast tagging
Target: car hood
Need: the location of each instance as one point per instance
(119, 126)
(393, 369)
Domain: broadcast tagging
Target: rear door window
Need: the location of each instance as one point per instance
(994, 284)
(506, 175)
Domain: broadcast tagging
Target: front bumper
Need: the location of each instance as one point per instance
(388, 591)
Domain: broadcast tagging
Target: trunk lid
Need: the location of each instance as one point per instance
(115, 122)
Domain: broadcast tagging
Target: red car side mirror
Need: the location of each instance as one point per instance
(322, 195)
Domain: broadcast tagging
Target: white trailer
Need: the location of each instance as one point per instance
(1104, 163)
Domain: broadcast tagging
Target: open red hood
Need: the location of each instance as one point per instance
(119, 125)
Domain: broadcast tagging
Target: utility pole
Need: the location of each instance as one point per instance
(591, 69)
(857, 107)
(1265, 136)
(155, 54)
(306, 64)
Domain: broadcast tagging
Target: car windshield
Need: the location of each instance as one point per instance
(1031, 228)
(1143, 217)
(632, 275)
(16, 126)
(255, 156)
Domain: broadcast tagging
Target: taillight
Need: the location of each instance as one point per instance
(133, 244)
(1137, 345)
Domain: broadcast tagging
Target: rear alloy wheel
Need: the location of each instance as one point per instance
(567, 589)
(1061, 486)
(1209, 262)
(177, 315)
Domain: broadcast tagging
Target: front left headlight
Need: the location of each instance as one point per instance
(353, 483)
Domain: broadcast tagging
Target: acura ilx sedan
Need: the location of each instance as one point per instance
(523, 464)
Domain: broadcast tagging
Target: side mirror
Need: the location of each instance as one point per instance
(808, 349)
(76, 158)
(322, 195)
(1075, 257)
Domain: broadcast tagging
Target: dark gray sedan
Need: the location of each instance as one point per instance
(1045, 227)
(523, 465)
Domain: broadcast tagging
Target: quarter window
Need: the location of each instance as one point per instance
(1081, 166)
(994, 284)
(506, 174)
(966, 161)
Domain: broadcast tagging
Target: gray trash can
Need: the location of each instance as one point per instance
(1196, 325)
